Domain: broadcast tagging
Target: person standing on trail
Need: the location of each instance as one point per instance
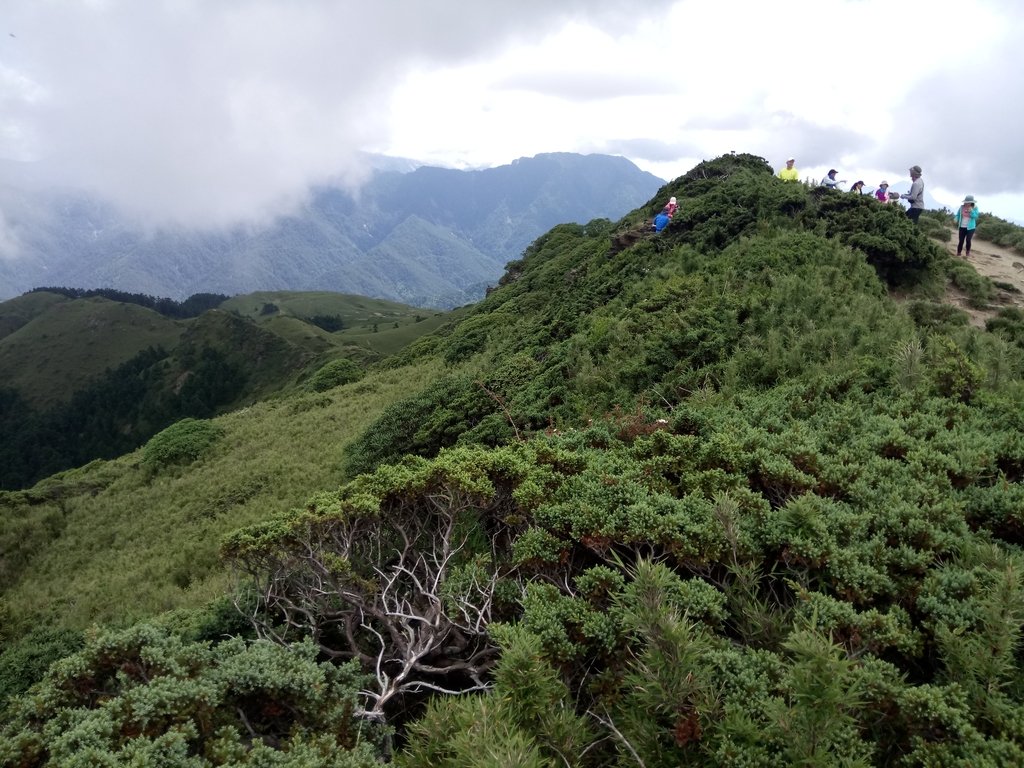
(916, 194)
(966, 222)
(789, 173)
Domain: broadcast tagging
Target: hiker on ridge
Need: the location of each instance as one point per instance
(916, 194)
(789, 173)
(661, 221)
(858, 187)
(830, 181)
(966, 223)
(670, 207)
(882, 193)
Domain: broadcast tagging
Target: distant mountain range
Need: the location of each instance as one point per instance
(431, 237)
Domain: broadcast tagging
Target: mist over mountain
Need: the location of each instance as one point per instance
(424, 236)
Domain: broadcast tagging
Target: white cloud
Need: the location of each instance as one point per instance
(9, 247)
(209, 113)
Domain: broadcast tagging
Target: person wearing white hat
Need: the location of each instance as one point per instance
(966, 223)
(789, 173)
(882, 193)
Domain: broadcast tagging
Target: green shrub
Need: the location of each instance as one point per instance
(954, 374)
(329, 323)
(181, 443)
(897, 250)
(1009, 324)
(935, 316)
(1001, 232)
(334, 374)
(935, 224)
(421, 424)
(23, 663)
(143, 697)
(528, 719)
(979, 289)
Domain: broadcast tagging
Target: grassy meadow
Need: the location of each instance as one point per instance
(16, 312)
(370, 327)
(69, 343)
(132, 543)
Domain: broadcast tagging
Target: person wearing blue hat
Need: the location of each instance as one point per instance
(830, 181)
(966, 223)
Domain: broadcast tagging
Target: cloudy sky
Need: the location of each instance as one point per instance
(216, 112)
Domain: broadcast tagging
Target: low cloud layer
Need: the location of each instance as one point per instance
(969, 139)
(210, 113)
(202, 113)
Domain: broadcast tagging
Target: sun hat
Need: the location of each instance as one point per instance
(884, 184)
(790, 159)
(969, 199)
(915, 169)
(671, 199)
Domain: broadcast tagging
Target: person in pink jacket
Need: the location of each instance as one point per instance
(882, 193)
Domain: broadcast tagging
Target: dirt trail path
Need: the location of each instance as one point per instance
(999, 264)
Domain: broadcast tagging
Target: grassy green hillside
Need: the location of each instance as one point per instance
(93, 377)
(743, 493)
(69, 343)
(50, 346)
(16, 312)
(128, 542)
(354, 311)
(366, 327)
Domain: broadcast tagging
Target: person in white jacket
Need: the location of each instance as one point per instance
(830, 181)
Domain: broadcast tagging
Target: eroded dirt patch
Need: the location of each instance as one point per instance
(1001, 265)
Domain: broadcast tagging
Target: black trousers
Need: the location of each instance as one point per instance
(914, 214)
(966, 235)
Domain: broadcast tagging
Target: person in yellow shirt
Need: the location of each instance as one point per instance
(789, 173)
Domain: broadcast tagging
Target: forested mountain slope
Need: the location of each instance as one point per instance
(710, 497)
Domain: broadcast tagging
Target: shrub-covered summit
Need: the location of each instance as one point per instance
(754, 282)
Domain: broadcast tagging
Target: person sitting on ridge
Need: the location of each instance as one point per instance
(661, 221)
(670, 207)
(789, 173)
